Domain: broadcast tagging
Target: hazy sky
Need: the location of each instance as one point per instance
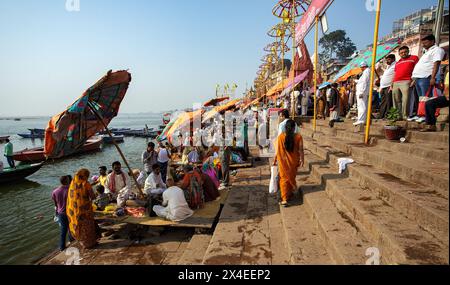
(176, 51)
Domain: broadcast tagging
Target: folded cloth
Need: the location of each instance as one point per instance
(343, 162)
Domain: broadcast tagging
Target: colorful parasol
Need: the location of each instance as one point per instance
(353, 67)
(220, 109)
(215, 101)
(70, 130)
(180, 123)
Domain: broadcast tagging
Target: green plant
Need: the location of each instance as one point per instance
(393, 116)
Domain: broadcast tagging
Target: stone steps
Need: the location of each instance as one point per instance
(433, 151)
(249, 231)
(343, 242)
(414, 169)
(377, 130)
(195, 250)
(400, 240)
(424, 205)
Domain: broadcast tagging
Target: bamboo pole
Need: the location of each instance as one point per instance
(99, 118)
(316, 60)
(372, 73)
(294, 50)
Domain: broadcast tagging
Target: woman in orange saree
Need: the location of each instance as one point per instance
(289, 156)
(79, 210)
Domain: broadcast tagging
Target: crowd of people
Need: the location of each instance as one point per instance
(172, 192)
(402, 85)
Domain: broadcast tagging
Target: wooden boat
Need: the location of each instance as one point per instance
(21, 172)
(3, 138)
(37, 131)
(108, 140)
(32, 136)
(37, 154)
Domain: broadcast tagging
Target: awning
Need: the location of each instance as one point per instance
(297, 81)
(219, 109)
(256, 101)
(324, 85)
(280, 86)
(215, 101)
(353, 67)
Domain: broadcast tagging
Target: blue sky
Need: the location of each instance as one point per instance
(177, 51)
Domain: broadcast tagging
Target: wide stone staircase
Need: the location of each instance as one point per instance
(390, 205)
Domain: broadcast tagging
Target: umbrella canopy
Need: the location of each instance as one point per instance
(353, 67)
(256, 101)
(179, 123)
(280, 86)
(297, 80)
(214, 102)
(70, 130)
(219, 109)
(326, 84)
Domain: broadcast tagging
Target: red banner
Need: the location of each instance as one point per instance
(317, 8)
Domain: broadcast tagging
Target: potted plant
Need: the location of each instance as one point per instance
(392, 131)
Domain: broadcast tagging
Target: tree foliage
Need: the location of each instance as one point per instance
(336, 45)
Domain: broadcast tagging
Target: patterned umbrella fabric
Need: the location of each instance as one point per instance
(366, 56)
(219, 109)
(215, 101)
(70, 130)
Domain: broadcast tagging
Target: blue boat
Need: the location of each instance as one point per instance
(108, 140)
(32, 136)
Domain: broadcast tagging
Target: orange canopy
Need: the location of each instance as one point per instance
(257, 100)
(182, 120)
(279, 87)
(349, 74)
(219, 109)
(215, 101)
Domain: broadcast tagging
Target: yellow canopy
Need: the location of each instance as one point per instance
(182, 120)
(219, 109)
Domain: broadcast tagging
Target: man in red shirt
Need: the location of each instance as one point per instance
(401, 87)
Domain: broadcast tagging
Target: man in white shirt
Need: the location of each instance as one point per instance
(154, 184)
(306, 95)
(163, 160)
(174, 206)
(427, 70)
(362, 94)
(386, 87)
(118, 185)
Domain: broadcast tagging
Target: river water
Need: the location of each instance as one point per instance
(27, 230)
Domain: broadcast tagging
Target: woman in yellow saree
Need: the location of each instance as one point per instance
(79, 210)
(289, 156)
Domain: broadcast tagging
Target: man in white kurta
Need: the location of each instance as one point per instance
(174, 206)
(362, 94)
(118, 185)
(154, 184)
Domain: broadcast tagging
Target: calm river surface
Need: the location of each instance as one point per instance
(27, 230)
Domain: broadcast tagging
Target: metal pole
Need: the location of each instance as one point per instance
(294, 50)
(316, 63)
(439, 21)
(372, 73)
(99, 118)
